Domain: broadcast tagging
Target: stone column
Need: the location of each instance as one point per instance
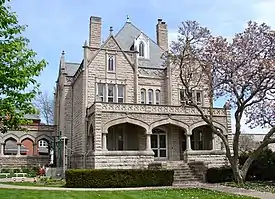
(148, 142)
(2, 148)
(34, 149)
(188, 142)
(104, 141)
(213, 142)
(18, 148)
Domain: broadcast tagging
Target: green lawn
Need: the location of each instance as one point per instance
(255, 185)
(156, 194)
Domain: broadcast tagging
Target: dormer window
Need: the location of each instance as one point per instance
(111, 63)
(141, 49)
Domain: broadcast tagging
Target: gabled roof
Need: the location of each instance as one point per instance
(71, 68)
(126, 37)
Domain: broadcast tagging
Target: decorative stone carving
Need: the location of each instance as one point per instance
(111, 44)
(159, 73)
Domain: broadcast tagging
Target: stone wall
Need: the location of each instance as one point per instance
(213, 158)
(123, 159)
(23, 161)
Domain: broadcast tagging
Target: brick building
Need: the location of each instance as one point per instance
(27, 148)
(121, 107)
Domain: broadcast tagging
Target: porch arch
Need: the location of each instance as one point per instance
(43, 137)
(203, 123)
(8, 136)
(125, 120)
(168, 121)
(27, 136)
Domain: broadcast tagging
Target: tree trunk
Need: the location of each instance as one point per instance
(247, 165)
(237, 173)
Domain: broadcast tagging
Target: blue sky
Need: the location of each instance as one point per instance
(56, 25)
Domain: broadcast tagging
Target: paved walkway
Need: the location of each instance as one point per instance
(214, 187)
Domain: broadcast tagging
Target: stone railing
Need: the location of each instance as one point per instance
(158, 109)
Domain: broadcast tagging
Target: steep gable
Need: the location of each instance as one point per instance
(126, 38)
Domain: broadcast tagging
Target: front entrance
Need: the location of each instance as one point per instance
(159, 143)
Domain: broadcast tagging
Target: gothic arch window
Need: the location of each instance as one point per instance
(111, 63)
(141, 49)
(150, 96)
(157, 96)
(142, 96)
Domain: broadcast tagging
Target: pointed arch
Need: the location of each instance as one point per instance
(43, 137)
(168, 121)
(27, 136)
(202, 123)
(10, 135)
(125, 120)
(141, 49)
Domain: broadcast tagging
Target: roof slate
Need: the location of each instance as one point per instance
(126, 36)
(71, 68)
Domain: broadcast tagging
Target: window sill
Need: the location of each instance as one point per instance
(111, 72)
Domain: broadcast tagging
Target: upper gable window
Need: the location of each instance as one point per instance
(141, 49)
(111, 63)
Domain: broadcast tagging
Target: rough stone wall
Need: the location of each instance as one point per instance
(23, 161)
(78, 120)
(123, 161)
(68, 114)
(209, 158)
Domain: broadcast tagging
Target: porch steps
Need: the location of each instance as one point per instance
(182, 172)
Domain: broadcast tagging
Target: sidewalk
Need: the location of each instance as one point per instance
(214, 187)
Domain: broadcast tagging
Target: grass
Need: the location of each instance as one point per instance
(156, 194)
(265, 186)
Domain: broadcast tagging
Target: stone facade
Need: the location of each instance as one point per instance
(27, 148)
(121, 107)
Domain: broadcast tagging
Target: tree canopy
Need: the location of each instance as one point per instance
(242, 71)
(18, 71)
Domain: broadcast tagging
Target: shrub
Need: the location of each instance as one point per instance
(262, 168)
(5, 170)
(99, 178)
(16, 171)
(223, 174)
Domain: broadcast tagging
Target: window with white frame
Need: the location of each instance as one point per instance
(199, 97)
(120, 94)
(141, 49)
(115, 93)
(111, 63)
(42, 143)
(150, 96)
(157, 96)
(142, 96)
(111, 92)
(101, 91)
(196, 96)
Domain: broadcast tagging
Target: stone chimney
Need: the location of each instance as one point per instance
(95, 32)
(162, 34)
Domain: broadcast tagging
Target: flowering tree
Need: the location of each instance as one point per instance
(242, 71)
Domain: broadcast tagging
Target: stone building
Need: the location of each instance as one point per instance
(28, 147)
(121, 107)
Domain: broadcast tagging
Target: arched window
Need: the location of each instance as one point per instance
(157, 96)
(141, 49)
(150, 96)
(142, 96)
(111, 63)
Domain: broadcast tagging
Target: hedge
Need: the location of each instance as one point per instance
(222, 174)
(99, 178)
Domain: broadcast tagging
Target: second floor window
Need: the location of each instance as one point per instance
(111, 93)
(150, 96)
(115, 93)
(101, 91)
(120, 94)
(142, 96)
(111, 63)
(196, 96)
(157, 96)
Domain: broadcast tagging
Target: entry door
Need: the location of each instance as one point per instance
(159, 144)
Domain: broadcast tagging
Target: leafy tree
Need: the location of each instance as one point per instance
(241, 71)
(45, 104)
(18, 69)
